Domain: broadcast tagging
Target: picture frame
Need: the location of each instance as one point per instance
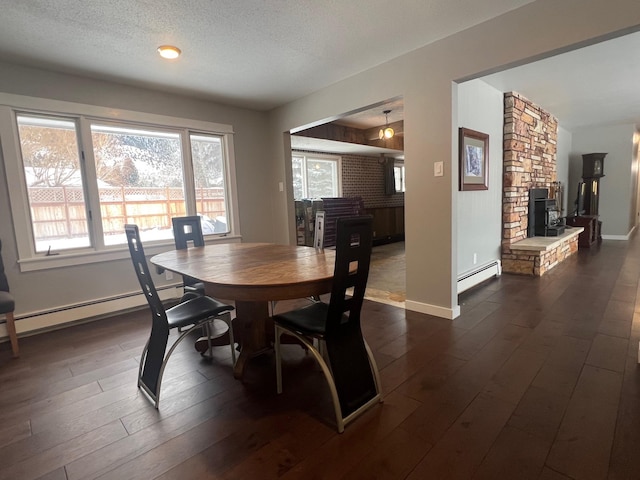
(474, 160)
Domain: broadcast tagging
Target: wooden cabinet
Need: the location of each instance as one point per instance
(591, 232)
(388, 224)
(592, 172)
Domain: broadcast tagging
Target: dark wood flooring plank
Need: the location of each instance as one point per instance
(14, 433)
(241, 433)
(515, 454)
(394, 456)
(25, 410)
(549, 474)
(562, 369)
(58, 456)
(582, 448)
(608, 352)
(539, 413)
(300, 440)
(344, 451)
(625, 461)
(57, 474)
(463, 447)
(167, 427)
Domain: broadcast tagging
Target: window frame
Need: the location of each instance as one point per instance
(400, 165)
(310, 156)
(28, 260)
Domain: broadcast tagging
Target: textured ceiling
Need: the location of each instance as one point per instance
(595, 85)
(250, 53)
(263, 53)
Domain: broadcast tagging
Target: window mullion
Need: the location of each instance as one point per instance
(188, 175)
(18, 196)
(305, 173)
(90, 183)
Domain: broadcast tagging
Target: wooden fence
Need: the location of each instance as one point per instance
(59, 212)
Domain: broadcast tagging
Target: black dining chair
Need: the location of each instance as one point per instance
(187, 231)
(7, 306)
(318, 244)
(343, 354)
(195, 311)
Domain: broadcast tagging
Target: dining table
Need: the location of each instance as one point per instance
(252, 275)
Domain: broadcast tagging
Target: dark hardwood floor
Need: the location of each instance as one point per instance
(537, 379)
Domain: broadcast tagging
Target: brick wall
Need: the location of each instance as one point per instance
(530, 147)
(364, 176)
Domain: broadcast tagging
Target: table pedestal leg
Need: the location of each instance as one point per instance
(252, 323)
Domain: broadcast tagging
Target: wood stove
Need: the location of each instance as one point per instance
(544, 215)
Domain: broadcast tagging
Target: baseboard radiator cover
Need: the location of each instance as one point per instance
(479, 275)
(32, 323)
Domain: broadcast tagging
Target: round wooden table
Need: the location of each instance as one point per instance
(252, 275)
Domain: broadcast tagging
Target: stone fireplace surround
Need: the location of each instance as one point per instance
(529, 161)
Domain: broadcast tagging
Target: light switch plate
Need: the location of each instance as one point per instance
(438, 169)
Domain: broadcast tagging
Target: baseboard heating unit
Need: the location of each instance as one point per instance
(479, 275)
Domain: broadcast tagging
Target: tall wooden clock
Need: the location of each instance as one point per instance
(592, 172)
(593, 165)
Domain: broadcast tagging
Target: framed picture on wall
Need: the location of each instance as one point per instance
(474, 160)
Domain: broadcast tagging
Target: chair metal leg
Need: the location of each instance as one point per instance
(323, 365)
(277, 347)
(207, 330)
(374, 370)
(155, 396)
(319, 354)
(13, 336)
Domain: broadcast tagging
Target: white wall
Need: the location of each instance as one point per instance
(619, 185)
(424, 78)
(562, 166)
(479, 222)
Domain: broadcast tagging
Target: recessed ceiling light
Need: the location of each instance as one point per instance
(169, 51)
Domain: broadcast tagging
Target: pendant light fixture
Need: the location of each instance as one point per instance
(387, 132)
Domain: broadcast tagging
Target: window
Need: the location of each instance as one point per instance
(398, 176)
(81, 178)
(315, 176)
(140, 180)
(51, 162)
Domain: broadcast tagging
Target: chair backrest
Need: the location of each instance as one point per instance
(187, 229)
(354, 239)
(318, 237)
(142, 272)
(4, 284)
(346, 349)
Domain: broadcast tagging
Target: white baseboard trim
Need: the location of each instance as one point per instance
(617, 237)
(435, 310)
(620, 237)
(479, 275)
(35, 322)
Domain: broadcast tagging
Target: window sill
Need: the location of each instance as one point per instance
(84, 258)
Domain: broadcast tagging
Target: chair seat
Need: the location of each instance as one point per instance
(194, 311)
(7, 303)
(309, 320)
